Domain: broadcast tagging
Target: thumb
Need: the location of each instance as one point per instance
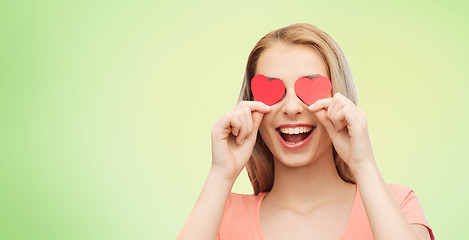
(257, 119)
(256, 122)
(321, 115)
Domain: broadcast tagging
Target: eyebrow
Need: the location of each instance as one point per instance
(312, 77)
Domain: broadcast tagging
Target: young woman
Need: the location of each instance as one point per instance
(311, 166)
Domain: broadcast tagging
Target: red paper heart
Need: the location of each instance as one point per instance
(309, 91)
(268, 92)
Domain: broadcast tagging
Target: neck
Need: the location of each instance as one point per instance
(308, 185)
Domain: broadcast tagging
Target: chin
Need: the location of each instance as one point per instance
(300, 158)
(295, 161)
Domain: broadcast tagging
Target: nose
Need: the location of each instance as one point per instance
(293, 106)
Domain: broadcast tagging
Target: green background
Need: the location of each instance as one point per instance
(106, 107)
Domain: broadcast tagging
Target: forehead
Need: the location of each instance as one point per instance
(290, 62)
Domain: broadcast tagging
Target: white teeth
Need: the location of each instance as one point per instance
(296, 130)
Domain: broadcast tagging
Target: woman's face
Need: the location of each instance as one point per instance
(293, 134)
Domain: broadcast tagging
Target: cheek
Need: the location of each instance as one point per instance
(269, 138)
(323, 136)
(267, 120)
(264, 133)
(266, 130)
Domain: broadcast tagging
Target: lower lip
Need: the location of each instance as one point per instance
(298, 144)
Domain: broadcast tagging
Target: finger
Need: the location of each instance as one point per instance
(235, 124)
(256, 120)
(331, 107)
(222, 123)
(320, 104)
(336, 104)
(249, 126)
(243, 130)
(253, 132)
(338, 119)
(349, 110)
(352, 115)
(325, 122)
(256, 106)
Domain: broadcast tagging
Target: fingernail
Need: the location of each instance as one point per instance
(242, 141)
(312, 106)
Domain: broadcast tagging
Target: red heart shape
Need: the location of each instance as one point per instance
(309, 91)
(268, 92)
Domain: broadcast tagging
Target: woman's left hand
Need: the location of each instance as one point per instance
(347, 127)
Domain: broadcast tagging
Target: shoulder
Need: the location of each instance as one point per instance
(400, 192)
(410, 205)
(243, 197)
(398, 188)
(238, 201)
(241, 217)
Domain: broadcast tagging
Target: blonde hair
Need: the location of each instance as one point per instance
(260, 167)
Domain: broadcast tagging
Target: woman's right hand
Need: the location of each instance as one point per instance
(234, 136)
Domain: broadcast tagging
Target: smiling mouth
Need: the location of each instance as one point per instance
(294, 135)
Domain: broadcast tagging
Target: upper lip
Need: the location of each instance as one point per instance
(294, 125)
